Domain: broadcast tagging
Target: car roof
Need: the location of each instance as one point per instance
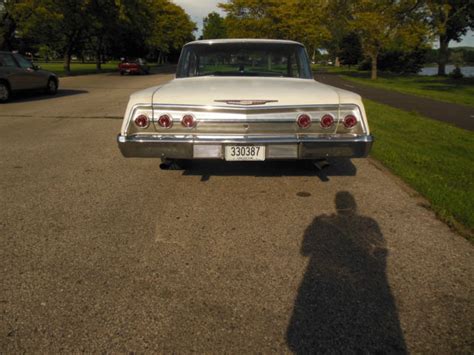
(242, 40)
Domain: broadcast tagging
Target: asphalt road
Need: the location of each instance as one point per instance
(103, 253)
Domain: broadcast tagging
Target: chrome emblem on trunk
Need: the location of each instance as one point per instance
(246, 102)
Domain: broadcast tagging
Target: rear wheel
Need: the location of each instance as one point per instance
(4, 92)
(52, 87)
(122, 72)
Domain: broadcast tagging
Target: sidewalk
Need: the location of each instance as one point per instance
(458, 115)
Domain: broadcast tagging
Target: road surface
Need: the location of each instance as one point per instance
(101, 253)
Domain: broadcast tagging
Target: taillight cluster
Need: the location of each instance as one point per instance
(165, 121)
(327, 121)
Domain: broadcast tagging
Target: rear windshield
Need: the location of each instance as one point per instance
(244, 59)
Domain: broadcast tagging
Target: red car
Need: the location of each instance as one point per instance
(134, 66)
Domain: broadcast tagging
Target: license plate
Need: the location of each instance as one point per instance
(245, 152)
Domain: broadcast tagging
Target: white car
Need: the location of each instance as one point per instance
(244, 99)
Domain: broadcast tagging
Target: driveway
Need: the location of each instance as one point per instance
(101, 253)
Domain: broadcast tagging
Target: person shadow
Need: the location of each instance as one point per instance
(344, 303)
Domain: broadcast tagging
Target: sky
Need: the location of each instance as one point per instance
(198, 9)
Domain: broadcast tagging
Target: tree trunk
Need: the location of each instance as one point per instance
(98, 55)
(443, 54)
(337, 62)
(98, 61)
(373, 72)
(67, 62)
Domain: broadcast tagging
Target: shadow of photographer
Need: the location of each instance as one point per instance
(344, 302)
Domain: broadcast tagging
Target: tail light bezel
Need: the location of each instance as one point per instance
(187, 116)
(142, 117)
(323, 120)
(161, 117)
(304, 116)
(351, 117)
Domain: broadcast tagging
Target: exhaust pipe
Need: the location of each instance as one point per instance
(320, 164)
(168, 164)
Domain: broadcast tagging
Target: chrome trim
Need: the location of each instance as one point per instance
(307, 147)
(198, 139)
(246, 102)
(220, 108)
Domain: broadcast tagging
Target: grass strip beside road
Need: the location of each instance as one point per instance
(435, 158)
(460, 91)
(78, 68)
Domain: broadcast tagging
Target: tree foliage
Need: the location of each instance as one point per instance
(299, 20)
(388, 24)
(117, 27)
(214, 26)
(350, 51)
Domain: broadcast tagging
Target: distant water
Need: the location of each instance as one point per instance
(467, 71)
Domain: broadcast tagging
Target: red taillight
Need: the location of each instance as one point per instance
(165, 121)
(304, 121)
(142, 121)
(188, 121)
(350, 121)
(327, 121)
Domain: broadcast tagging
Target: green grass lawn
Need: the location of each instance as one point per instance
(435, 158)
(78, 68)
(459, 91)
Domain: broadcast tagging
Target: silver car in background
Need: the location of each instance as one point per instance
(19, 74)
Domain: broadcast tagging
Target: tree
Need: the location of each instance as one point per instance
(384, 24)
(351, 51)
(171, 28)
(449, 20)
(7, 25)
(299, 20)
(302, 21)
(339, 14)
(104, 16)
(214, 26)
(251, 18)
(63, 23)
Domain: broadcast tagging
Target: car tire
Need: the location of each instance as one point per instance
(52, 87)
(121, 72)
(5, 92)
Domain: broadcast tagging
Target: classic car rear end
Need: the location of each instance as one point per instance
(133, 66)
(244, 100)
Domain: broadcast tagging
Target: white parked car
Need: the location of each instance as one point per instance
(244, 99)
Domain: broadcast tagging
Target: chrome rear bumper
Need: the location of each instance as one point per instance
(212, 147)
